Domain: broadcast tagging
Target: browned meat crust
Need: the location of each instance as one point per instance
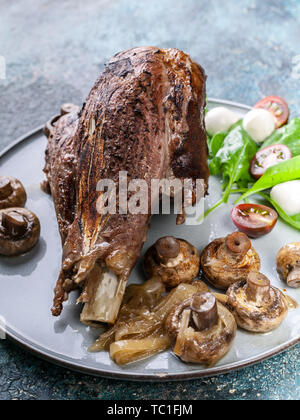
(145, 115)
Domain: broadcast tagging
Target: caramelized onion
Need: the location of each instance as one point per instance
(139, 331)
(129, 351)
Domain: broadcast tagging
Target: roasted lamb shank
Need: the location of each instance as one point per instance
(145, 115)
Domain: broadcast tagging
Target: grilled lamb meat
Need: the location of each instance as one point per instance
(145, 115)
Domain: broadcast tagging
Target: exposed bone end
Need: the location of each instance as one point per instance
(106, 300)
(293, 279)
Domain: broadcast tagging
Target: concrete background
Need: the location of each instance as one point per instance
(54, 50)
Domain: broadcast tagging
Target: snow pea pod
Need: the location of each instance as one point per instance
(278, 174)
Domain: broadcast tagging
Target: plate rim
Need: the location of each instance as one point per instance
(62, 361)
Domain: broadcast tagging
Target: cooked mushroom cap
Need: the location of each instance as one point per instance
(65, 109)
(222, 268)
(204, 347)
(19, 231)
(49, 126)
(261, 313)
(288, 264)
(12, 193)
(69, 108)
(174, 261)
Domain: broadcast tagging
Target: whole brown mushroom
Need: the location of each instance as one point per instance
(69, 108)
(256, 305)
(65, 109)
(288, 264)
(228, 260)
(173, 260)
(12, 193)
(202, 328)
(19, 231)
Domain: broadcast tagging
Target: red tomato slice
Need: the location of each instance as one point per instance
(254, 220)
(277, 106)
(267, 157)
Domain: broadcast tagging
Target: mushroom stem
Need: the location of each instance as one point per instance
(167, 248)
(238, 244)
(235, 248)
(258, 287)
(15, 224)
(204, 311)
(293, 279)
(5, 188)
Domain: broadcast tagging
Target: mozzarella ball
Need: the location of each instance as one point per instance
(287, 195)
(220, 119)
(259, 124)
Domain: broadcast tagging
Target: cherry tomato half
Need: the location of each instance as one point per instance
(278, 107)
(267, 157)
(254, 220)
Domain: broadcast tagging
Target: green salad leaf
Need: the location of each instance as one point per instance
(208, 139)
(231, 155)
(288, 135)
(288, 170)
(293, 221)
(216, 143)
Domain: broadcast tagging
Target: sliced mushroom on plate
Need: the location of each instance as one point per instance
(173, 260)
(228, 260)
(202, 328)
(256, 305)
(19, 231)
(12, 193)
(288, 264)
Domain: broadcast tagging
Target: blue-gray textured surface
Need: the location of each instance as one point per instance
(54, 51)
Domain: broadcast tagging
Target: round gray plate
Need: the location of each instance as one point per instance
(27, 282)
